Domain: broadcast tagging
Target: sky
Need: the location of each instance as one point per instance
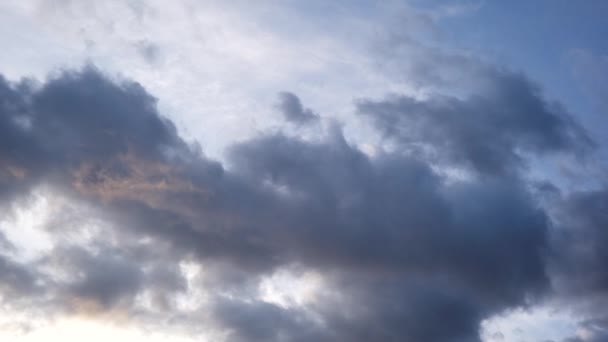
(283, 170)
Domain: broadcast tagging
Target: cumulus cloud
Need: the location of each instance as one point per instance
(578, 263)
(490, 131)
(404, 252)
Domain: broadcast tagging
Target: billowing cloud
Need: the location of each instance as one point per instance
(578, 264)
(490, 132)
(404, 252)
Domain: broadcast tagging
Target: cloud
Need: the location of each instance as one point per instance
(577, 267)
(293, 111)
(404, 252)
(489, 132)
(580, 241)
(16, 279)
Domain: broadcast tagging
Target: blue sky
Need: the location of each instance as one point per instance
(560, 44)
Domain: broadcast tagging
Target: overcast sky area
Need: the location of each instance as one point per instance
(291, 171)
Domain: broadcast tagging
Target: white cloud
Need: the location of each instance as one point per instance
(217, 66)
(543, 323)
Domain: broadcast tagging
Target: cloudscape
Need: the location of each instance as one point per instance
(280, 170)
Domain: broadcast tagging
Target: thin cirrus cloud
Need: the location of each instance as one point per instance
(294, 237)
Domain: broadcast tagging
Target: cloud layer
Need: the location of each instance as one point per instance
(401, 249)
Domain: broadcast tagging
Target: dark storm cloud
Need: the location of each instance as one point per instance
(76, 117)
(581, 242)
(293, 111)
(490, 132)
(260, 321)
(411, 310)
(80, 131)
(392, 219)
(580, 256)
(82, 115)
(14, 140)
(394, 213)
(407, 254)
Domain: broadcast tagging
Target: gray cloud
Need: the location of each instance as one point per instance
(581, 240)
(293, 111)
(578, 264)
(489, 132)
(406, 254)
(16, 279)
(105, 279)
